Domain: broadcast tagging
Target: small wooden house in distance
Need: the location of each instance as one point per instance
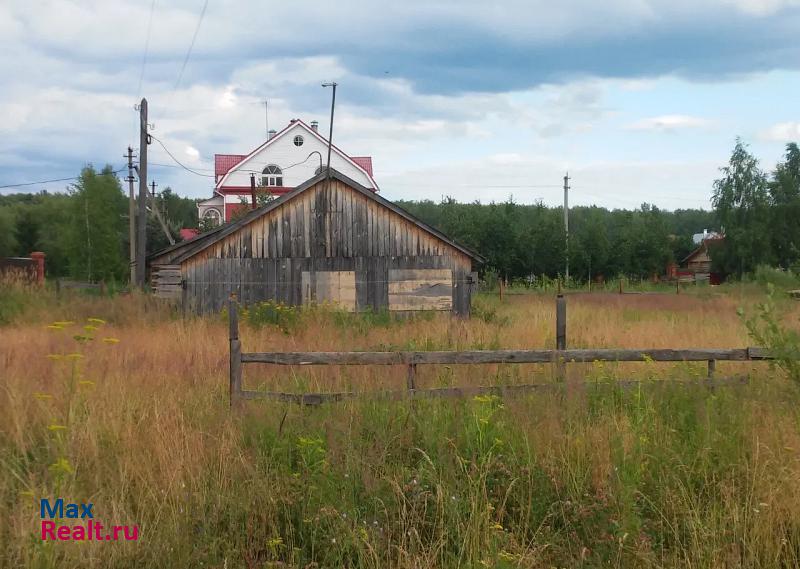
(334, 241)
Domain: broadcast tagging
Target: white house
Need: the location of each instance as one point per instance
(286, 160)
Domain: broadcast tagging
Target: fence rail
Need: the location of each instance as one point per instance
(410, 359)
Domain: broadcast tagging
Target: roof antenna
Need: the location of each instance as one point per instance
(266, 115)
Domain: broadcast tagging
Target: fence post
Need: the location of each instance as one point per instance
(712, 366)
(561, 333)
(561, 322)
(411, 377)
(236, 354)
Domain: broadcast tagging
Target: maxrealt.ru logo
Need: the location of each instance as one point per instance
(87, 530)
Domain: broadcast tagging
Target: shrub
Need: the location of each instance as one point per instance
(779, 278)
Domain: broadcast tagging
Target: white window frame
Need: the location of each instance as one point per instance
(270, 178)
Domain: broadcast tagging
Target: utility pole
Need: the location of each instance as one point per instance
(157, 213)
(131, 216)
(141, 241)
(330, 135)
(566, 223)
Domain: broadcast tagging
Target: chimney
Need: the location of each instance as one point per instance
(271, 134)
(315, 126)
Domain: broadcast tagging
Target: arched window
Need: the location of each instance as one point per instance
(213, 216)
(272, 176)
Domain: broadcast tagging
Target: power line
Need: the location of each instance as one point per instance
(191, 45)
(146, 49)
(178, 162)
(198, 171)
(55, 180)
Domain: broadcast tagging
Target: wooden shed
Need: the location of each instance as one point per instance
(326, 240)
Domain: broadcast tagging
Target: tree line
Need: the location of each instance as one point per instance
(84, 230)
(758, 212)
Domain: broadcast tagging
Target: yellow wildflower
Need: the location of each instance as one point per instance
(86, 383)
(95, 320)
(111, 340)
(56, 428)
(54, 327)
(54, 357)
(90, 328)
(74, 356)
(63, 465)
(42, 396)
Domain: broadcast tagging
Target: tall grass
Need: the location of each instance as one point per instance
(662, 476)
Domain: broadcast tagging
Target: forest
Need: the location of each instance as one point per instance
(84, 230)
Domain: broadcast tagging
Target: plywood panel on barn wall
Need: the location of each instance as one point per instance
(337, 287)
(420, 289)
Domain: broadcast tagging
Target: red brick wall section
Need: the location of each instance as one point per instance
(38, 256)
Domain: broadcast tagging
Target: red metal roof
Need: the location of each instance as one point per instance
(224, 162)
(364, 161)
(188, 233)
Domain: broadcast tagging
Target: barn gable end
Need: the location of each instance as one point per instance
(334, 241)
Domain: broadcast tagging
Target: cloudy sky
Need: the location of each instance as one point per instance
(640, 100)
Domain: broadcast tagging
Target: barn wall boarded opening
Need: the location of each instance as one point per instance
(326, 241)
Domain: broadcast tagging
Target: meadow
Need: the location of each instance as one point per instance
(121, 402)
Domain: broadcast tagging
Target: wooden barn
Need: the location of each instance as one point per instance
(325, 241)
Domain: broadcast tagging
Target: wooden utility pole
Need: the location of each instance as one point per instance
(157, 213)
(131, 216)
(141, 241)
(566, 225)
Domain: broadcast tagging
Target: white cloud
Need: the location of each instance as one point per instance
(782, 132)
(669, 123)
(192, 152)
(763, 7)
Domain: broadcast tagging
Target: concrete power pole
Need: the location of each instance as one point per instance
(566, 223)
(131, 216)
(141, 241)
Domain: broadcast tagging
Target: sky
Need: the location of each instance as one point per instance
(638, 100)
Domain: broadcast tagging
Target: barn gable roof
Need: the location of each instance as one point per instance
(185, 250)
(703, 247)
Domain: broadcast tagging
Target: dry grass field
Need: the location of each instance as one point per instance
(136, 421)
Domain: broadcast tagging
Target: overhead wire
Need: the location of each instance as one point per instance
(191, 45)
(25, 184)
(146, 49)
(178, 162)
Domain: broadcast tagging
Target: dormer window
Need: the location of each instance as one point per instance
(272, 176)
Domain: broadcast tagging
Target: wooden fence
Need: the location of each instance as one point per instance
(558, 357)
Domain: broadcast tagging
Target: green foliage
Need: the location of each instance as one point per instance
(263, 197)
(778, 278)
(784, 191)
(767, 330)
(97, 233)
(8, 241)
(741, 202)
(270, 313)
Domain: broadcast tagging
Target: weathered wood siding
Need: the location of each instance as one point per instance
(322, 229)
(166, 281)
